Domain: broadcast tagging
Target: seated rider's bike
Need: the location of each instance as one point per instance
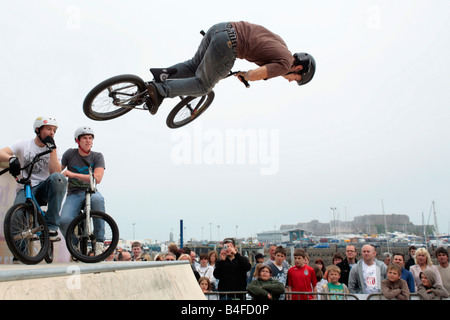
(118, 95)
(93, 235)
(25, 229)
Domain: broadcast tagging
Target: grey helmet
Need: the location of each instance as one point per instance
(81, 131)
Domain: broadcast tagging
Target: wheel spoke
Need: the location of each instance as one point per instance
(192, 108)
(26, 238)
(115, 97)
(96, 245)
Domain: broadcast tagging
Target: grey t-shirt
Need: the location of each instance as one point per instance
(74, 162)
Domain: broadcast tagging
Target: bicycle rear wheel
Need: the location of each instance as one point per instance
(189, 109)
(114, 97)
(28, 242)
(97, 245)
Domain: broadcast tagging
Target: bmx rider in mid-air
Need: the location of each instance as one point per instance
(215, 57)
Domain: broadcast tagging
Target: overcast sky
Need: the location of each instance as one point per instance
(372, 127)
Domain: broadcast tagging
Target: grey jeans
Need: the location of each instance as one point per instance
(211, 63)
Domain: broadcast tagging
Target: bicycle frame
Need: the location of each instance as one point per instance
(87, 206)
(128, 103)
(30, 199)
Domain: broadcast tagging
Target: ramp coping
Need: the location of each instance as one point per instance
(81, 268)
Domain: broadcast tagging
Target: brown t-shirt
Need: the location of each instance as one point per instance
(263, 47)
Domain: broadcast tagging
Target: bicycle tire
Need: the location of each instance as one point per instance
(80, 244)
(28, 246)
(188, 109)
(50, 254)
(104, 102)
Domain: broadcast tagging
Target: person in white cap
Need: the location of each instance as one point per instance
(49, 185)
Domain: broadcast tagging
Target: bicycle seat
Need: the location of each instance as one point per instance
(161, 74)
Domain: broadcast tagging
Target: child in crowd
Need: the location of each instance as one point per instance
(321, 265)
(278, 268)
(394, 287)
(301, 277)
(429, 289)
(337, 258)
(321, 281)
(334, 286)
(205, 285)
(205, 270)
(259, 258)
(264, 287)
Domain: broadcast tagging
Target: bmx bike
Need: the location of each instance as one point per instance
(92, 236)
(25, 229)
(118, 95)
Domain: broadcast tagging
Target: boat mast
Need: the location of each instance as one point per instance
(385, 227)
(436, 230)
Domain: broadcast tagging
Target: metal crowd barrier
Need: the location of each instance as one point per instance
(412, 296)
(244, 295)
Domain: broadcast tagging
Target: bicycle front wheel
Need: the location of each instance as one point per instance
(27, 239)
(92, 240)
(114, 97)
(189, 109)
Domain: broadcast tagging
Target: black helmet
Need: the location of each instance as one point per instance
(309, 66)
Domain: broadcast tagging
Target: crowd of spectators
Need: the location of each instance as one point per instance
(394, 276)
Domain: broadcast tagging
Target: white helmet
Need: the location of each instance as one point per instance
(81, 131)
(44, 121)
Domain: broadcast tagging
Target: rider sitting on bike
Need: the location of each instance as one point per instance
(49, 185)
(77, 162)
(215, 57)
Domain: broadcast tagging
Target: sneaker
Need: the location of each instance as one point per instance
(162, 74)
(99, 248)
(53, 235)
(155, 98)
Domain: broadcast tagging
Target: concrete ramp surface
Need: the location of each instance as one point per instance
(172, 280)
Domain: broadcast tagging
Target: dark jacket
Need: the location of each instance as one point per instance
(232, 274)
(345, 271)
(409, 263)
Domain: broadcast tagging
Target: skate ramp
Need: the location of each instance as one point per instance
(172, 280)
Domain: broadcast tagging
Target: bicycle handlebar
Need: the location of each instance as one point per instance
(232, 73)
(31, 164)
(35, 159)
